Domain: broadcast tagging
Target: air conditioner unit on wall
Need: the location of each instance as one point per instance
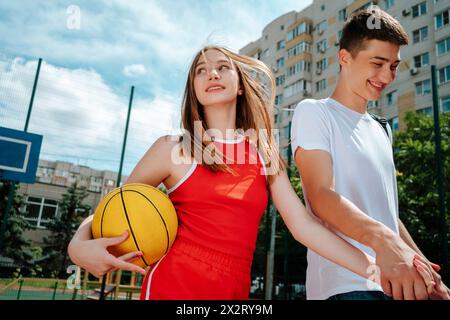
(318, 71)
(413, 71)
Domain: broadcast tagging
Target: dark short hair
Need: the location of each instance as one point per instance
(357, 30)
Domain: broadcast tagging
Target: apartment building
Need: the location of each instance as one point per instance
(53, 178)
(301, 48)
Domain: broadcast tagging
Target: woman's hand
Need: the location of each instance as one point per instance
(437, 290)
(93, 255)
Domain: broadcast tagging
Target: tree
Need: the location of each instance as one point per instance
(288, 252)
(15, 245)
(71, 213)
(415, 160)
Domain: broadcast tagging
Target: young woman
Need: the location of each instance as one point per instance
(219, 174)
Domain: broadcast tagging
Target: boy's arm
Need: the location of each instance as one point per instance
(399, 277)
(311, 233)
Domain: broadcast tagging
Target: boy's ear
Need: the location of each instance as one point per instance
(344, 57)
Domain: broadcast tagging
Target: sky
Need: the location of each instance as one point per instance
(94, 51)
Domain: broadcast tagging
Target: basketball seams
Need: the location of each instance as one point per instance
(146, 186)
(129, 224)
(159, 213)
(103, 212)
(146, 196)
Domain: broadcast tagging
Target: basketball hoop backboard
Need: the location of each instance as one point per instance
(19, 155)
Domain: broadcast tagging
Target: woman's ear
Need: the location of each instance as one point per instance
(240, 92)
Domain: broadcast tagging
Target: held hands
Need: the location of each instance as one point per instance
(400, 278)
(437, 290)
(93, 256)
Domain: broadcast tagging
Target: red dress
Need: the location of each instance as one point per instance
(218, 214)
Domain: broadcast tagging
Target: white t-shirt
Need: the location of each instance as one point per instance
(364, 173)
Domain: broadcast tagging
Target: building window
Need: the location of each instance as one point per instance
(372, 104)
(423, 87)
(61, 173)
(426, 111)
(393, 123)
(443, 46)
(280, 80)
(339, 36)
(298, 67)
(278, 99)
(280, 62)
(322, 45)
(280, 44)
(282, 27)
(441, 19)
(420, 34)
(322, 26)
(285, 152)
(445, 104)
(367, 5)
(322, 64)
(388, 4)
(322, 7)
(444, 74)
(286, 132)
(422, 60)
(301, 28)
(297, 87)
(40, 211)
(419, 9)
(391, 98)
(299, 48)
(342, 14)
(321, 85)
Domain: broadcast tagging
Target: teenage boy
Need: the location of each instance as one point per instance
(346, 164)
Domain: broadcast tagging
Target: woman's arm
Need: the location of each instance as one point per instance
(92, 254)
(311, 233)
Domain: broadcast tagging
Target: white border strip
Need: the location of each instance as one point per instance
(27, 155)
(240, 139)
(147, 293)
(185, 177)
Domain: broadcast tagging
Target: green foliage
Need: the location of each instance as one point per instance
(15, 244)
(416, 164)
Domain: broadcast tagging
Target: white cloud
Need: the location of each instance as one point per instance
(134, 70)
(82, 118)
(80, 107)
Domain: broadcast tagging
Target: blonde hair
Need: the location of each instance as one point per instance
(252, 112)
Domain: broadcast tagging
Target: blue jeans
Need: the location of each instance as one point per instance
(361, 295)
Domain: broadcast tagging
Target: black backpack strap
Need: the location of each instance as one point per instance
(381, 120)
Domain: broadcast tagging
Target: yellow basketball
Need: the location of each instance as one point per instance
(146, 213)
